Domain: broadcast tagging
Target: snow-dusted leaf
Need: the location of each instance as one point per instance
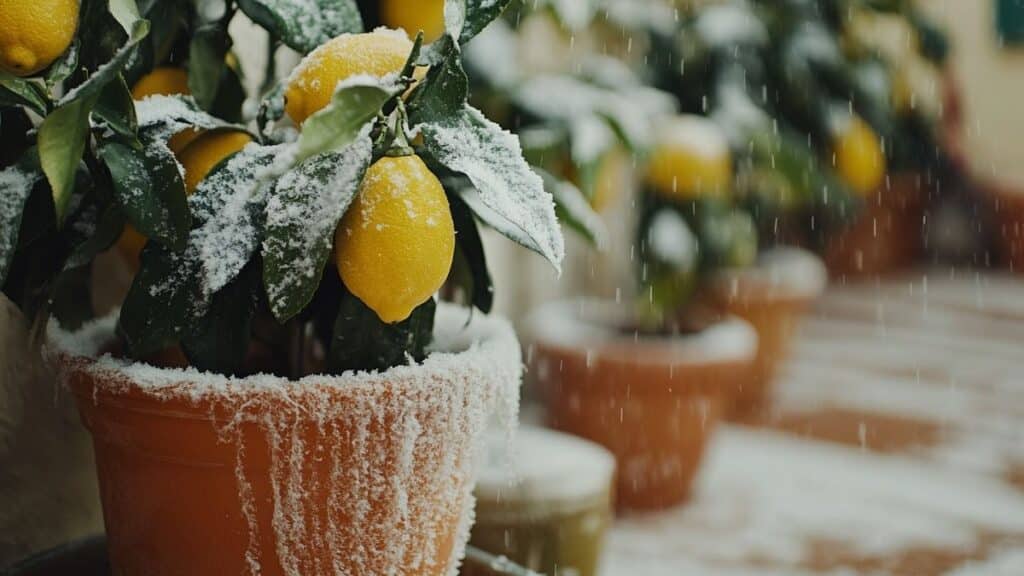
(163, 302)
(116, 107)
(61, 142)
(149, 188)
(355, 102)
(15, 91)
(229, 204)
(304, 24)
(508, 195)
(108, 71)
(575, 211)
(16, 184)
(302, 213)
(126, 12)
(464, 19)
(445, 89)
(161, 117)
(219, 340)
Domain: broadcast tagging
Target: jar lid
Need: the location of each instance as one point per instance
(543, 469)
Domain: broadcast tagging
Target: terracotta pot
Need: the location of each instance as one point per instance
(887, 235)
(545, 506)
(1006, 203)
(651, 400)
(772, 295)
(366, 473)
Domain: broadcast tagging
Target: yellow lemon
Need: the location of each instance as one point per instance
(858, 156)
(612, 176)
(207, 151)
(198, 158)
(691, 159)
(312, 84)
(34, 33)
(395, 245)
(413, 16)
(167, 81)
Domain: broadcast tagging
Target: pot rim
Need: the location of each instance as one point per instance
(564, 325)
(781, 273)
(467, 345)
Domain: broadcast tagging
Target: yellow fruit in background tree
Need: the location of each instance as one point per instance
(34, 33)
(395, 245)
(612, 176)
(413, 16)
(858, 156)
(312, 84)
(167, 81)
(207, 151)
(197, 159)
(691, 159)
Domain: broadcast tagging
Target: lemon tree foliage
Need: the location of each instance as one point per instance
(244, 263)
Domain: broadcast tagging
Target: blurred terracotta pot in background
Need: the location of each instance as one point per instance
(886, 236)
(546, 505)
(772, 295)
(652, 400)
(1006, 205)
(367, 473)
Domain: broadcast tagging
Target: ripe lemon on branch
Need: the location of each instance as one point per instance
(34, 33)
(312, 84)
(198, 159)
(859, 159)
(691, 159)
(413, 16)
(395, 244)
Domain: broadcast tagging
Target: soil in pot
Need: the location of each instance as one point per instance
(652, 400)
(548, 506)
(773, 296)
(364, 473)
(887, 236)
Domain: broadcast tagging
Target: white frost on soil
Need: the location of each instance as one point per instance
(409, 437)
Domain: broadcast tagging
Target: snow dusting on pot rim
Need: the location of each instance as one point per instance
(781, 272)
(599, 327)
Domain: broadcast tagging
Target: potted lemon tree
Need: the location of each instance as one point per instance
(649, 379)
(280, 392)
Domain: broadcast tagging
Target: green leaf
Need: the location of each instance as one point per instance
(15, 125)
(126, 12)
(207, 49)
(16, 183)
(65, 66)
(302, 214)
(161, 117)
(465, 19)
(163, 302)
(16, 91)
(508, 195)
(92, 87)
(573, 210)
(444, 91)
(116, 107)
(219, 341)
(304, 25)
(107, 230)
(471, 248)
(62, 139)
(150, 191)
(361, 341)
(230, 96)
(354, 103)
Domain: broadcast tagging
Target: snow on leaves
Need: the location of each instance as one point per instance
(15, 185)
(508, 195)
(161, 117)
(302, 213)
(305, 24)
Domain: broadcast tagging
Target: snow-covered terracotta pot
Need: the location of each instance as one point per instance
(886, 236)
(1006, 204)
(651, 400)
(364, 473)
(772, 295)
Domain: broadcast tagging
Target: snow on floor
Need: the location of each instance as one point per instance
(764, 498)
